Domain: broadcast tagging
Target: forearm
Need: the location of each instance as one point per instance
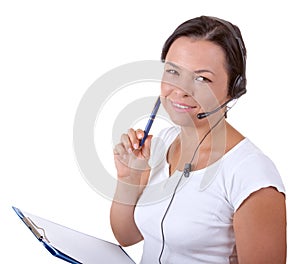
(122, 214)
(123, 224)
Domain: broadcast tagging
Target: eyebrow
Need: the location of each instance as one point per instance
(197, 71)
(173, 65)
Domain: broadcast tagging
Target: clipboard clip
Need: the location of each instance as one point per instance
(32, 226)
(35, 229)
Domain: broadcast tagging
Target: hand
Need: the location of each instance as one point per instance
(131, 160)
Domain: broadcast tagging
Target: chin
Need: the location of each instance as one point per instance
(182, 119)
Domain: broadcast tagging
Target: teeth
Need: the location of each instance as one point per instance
(181, 106)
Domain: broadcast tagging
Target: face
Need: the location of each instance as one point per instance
(194, 81)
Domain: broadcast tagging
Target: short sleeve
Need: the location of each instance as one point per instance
(253, 173)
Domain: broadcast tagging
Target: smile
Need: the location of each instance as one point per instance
(182, 106)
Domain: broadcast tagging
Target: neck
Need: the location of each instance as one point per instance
(208, 145)
(202, 145)
(209, 130)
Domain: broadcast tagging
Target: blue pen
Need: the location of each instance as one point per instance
(150, 121)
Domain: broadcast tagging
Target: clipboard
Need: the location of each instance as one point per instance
(73, 246)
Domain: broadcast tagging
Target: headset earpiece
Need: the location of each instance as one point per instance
(238, 87)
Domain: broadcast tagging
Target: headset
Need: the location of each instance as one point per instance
(239, 84)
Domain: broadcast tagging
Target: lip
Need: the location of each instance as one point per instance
(182, 107)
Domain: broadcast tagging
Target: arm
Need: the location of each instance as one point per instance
(133, 172)
(122, 214)
(260, 228)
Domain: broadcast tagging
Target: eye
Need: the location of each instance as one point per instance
(172, 71)
(202, 79)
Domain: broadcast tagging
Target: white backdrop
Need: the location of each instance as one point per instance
(52, 51)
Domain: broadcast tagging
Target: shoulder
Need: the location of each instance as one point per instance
(248, 170)
(164, 138)
(247, 155)
(168, 132)
(160, 144)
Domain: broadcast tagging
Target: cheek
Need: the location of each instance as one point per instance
(221, 87)
(210, 95)
(165, 89)
(221, 90)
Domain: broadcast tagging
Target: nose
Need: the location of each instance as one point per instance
(180, 86)
(182, 90)
(168, 89)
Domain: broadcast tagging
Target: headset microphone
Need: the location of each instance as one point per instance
(187, 169)
(206, 114)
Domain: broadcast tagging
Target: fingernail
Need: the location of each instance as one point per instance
(136, 146)
(129, 150)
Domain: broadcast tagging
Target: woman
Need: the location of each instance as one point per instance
(202, 192)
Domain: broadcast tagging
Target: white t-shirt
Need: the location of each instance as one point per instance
(198, 227)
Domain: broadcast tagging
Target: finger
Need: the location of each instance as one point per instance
(119, 150)
(133, 138)
(140, 134)
(125, 140)
(147, 147)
